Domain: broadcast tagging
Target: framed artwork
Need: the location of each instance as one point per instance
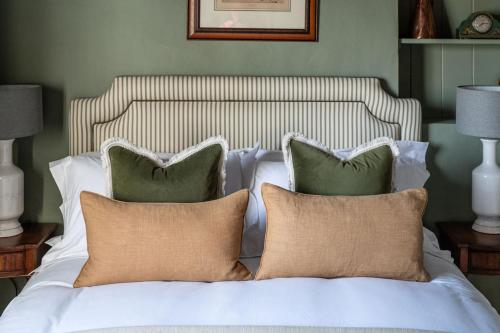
(288, 20)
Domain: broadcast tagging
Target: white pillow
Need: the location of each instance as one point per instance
(74, 174)
(410, 172)
(272, 172)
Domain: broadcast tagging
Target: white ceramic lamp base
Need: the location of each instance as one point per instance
(11, 192)
(486, 191)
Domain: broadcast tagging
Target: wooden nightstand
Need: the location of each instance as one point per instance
(474, 252)
(21, 254)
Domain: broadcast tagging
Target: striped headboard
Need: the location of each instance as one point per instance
(170, 113)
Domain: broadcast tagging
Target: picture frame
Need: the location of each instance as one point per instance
(274, 20)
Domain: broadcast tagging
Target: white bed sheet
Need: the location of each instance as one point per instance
(448, 303)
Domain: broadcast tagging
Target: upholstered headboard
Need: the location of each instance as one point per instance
(170, 113)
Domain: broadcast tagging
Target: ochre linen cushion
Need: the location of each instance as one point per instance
(343, 236)
(138, 175)
(130, 242)
(314, 169)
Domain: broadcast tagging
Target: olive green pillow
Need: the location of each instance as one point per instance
(135, 174)
(314, 169)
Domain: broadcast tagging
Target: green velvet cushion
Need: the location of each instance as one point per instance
(316, 171)
(137, 177)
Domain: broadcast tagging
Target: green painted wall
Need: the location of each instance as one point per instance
(76, 47)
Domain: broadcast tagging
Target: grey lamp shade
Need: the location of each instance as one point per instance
(20, 111)
(478, 111)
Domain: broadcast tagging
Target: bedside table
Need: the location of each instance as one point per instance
(21, 254)
(474, 252)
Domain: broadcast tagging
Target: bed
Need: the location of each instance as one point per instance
(170, 113)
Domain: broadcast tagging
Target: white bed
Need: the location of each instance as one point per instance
(448, 303)
(169, 113)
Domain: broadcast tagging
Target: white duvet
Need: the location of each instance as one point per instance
(448, 303)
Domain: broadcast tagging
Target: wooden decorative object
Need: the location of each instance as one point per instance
(424, 25)
(479, 25)
(253, 20)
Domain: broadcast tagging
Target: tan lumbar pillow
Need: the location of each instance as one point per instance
(129, 242)
(340, 236)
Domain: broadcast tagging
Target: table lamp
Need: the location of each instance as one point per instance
(478, 114)
(20, 116)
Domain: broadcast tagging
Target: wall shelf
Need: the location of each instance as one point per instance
(449, 41)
